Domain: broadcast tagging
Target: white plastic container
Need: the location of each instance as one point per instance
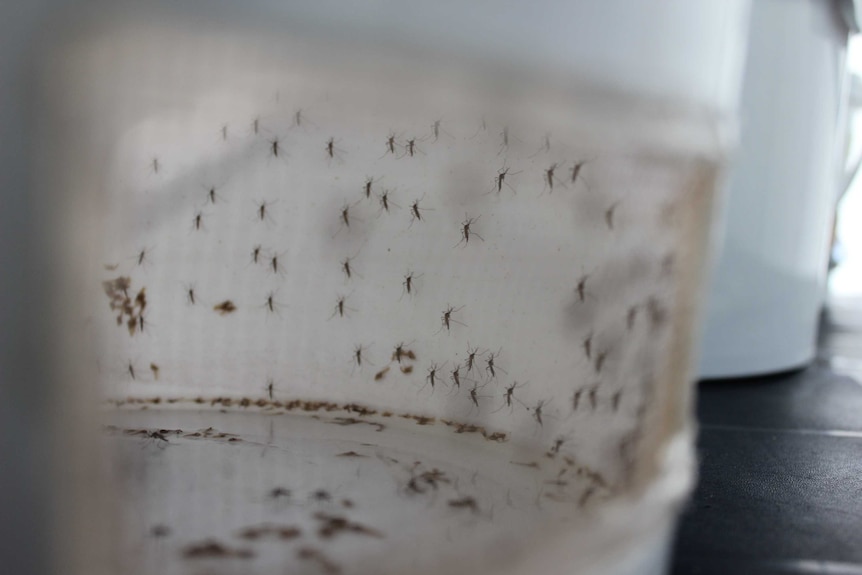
(550, 225)
(768, 285)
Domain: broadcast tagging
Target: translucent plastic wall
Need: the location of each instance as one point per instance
(497, 268)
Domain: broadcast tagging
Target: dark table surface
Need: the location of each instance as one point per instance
(780, 488)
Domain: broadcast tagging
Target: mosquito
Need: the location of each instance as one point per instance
(402, 352)
(587, 344)
(466, 231)
(142, 256)
(471, 356)
(545, 147)
(347, 268)
(500, 179)
(197, 222)
(270, 388)
(474, 396)
(409, 287)
(631, 316)
(509, 395)
(276, 147)
(390, 145)
(576, 399)
(416, 211)
(447, 320)
(555, 450)
(142, 322)
(224, 132)
(456, 376)
(255, 254)
(212, 195)
(504, 140)
(581, 288)
(615, 400)
(156, 165)
(274, 265)
(301, 120)
(576, 171)
(489, 363)
(357, 354)
(190, 293)
(411, 149)
(263, 211)
(600, 360)
(344, 217)
(537, 411)
(436, 130)
(341, 308)
(592, 395)
(332, 151)
(271, 304)
(431, 376)
(368, 185)
(550, 177)
(385, 201)
(609, 215)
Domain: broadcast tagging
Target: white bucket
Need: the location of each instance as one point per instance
(346, 303)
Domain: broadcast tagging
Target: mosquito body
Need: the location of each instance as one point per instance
(431, 376)
(587, 344)
(456, 377)
(609, 215)
(447, 320)
(416, 211)
(490, 365)
(576, 171)
(600, 360)
(255, 254)
(471, 357)
(500, 179)
(581, 288)
(466, 230)
(385, 200)
(357, 354)
(509, 395)
(390, 145)
(409, 283)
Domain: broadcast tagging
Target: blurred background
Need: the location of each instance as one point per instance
(845, 278)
